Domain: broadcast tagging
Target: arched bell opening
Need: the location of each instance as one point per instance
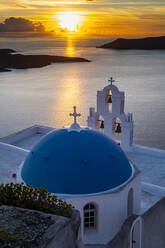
(100, 123)
(108, 101)
(116, 129)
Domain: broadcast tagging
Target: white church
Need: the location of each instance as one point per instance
(117, 186)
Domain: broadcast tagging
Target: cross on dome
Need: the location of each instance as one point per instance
(111, 80)
(75, 114)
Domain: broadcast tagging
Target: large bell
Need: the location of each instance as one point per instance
(102, 125)
(109, 99)
(118, 128)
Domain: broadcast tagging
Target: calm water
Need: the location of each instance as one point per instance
(46, 95)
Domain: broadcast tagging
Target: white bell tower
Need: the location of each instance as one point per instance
(110, 117)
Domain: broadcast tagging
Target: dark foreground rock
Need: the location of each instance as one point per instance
(10, 60)
(149, 43)
(22, 228)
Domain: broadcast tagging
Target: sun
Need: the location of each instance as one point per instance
(69, 21)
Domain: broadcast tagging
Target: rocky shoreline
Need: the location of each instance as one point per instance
(4, 70)
(9, 59)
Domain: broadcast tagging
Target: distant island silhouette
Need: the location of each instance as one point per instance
(9, 59)
(149, 43)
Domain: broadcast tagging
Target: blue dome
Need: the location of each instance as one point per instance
(76, 162)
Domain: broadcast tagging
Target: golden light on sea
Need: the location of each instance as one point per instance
(70, 88)
(70, 49)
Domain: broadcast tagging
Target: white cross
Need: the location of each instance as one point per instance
(75, 115)
(111, 80)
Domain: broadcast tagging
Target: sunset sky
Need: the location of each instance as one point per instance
(92, 17)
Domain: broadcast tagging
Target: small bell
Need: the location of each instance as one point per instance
(118, 128)
(109, 99)
(102, 125)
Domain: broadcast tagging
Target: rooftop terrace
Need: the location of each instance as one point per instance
(151, 162)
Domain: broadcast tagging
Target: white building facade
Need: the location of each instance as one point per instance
(90, 171)
(85, 167)
(110, 117)
(109, 211)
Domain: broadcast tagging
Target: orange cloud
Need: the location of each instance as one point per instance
(100, 17)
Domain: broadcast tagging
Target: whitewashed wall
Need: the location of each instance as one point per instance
(112, 210)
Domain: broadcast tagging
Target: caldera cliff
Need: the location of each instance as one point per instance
(148, 43)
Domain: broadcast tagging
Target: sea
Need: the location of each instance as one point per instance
(47, 95)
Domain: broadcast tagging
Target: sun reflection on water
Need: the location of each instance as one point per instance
(70, 49)
(69, 97)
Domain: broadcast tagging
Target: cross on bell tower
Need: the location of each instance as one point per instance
(75, 114)
(111, 80)
(110, 108)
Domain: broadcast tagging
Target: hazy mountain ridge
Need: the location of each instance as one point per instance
(149, 43)
(9, 59)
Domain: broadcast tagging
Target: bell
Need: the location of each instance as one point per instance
(102, 125)
(118, 128)
(109, 99)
